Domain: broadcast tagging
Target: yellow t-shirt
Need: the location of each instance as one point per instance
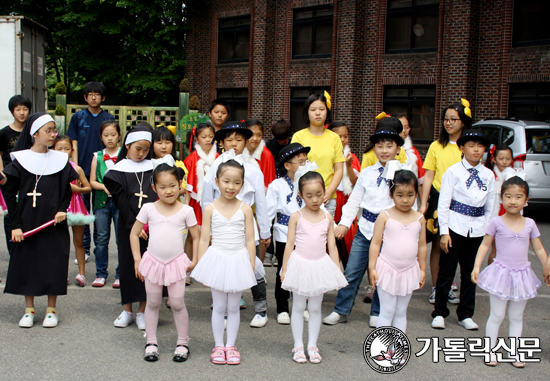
(440, 158)
(370, 158)
(326, 150)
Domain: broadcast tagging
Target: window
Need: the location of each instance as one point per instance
(298, 96)
(530, 101)
(530, 18)
(418, 103)
(238, 102)
(234, 39)
(412, 26)
(538, 140)
(312, 32)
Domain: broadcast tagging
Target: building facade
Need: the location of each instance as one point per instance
(414, 56)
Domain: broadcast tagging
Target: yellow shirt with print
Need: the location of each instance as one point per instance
(326, 150)
(370, 158)
(440, 158)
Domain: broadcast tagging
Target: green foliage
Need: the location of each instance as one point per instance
(60, 88)
(184, 86)
(60, 110)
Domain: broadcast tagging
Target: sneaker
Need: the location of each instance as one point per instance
(373, 320)
(27, 321)
(454, 287)
(369, 294)
(469, 324)
(87, 257)
(267, 262)
(140, 320)
(259, 321)
(432, 296)
(452, 298)
(81, 280)
(335, 318)
(306, 316)
(117, 283)
(283, 318)
(438, 322)
(124, 320)
(50, 321)
(242, 304)
(98, 282)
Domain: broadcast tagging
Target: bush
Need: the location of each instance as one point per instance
(60, 88)
(194, 103)
(184, 86)
(60, 110)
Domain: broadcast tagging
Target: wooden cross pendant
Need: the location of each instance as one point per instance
(34, 194)
(141, 196)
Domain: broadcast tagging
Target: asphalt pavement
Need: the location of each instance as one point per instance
(87, 346)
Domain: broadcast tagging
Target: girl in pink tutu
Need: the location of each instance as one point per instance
(308, 272)
(510, 277)
(77, 214)
(165, 262)
(401, 267)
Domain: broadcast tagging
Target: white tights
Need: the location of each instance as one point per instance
(297, 319)
(230, 302)
(498, 310)
(393, 310)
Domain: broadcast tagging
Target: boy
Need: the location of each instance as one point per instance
(281, 204)
(84, 130)
(465, 207)
(372, 194)
(233, 136)
(281, 131)
(19, 106)
(218, 112)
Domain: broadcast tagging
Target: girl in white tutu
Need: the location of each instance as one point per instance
(165, 263)
(308, 272)
(227, 267)
(510, 277)
(401, 267)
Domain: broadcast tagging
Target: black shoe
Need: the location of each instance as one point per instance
(151, 355)
(179, 356)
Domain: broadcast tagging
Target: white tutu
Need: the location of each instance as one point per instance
(312, 277)
(227, 272)
(259, 270)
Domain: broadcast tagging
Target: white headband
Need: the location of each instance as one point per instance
(138, 135)
(40, 122)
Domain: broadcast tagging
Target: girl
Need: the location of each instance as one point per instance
(77, 208)
(441, 155)
(257, 154)
(129, 182)
(227, 267)
(38, 190)
(326, 147)
(307, 270)
(509, 277)
(164, 143)
(165, 263)
(401, 267)
(103, 206)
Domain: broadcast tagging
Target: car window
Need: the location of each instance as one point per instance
(491, 133)
(538, 140)
(507, 136)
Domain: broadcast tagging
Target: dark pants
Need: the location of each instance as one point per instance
(259, 292)
(463, 251)
(7, 231)
(281, 296)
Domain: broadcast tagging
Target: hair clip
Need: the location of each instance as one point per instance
(466, 105)
(327, 97)
(242, 120)
(382, 115)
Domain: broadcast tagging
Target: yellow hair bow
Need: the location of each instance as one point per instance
(327, 97)
(382, 115)
(466, 104)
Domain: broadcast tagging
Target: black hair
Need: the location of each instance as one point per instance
(124, 151)
(312, 98)
(145, 124)
(466, 120)
(337, 124)
(204, 125)
(229, 163)
(221, 102)
(310, 176)
(515, 181)
(229, 132)
(387, 122)
(107, 123)
(281, 129)
(163, 133)
(490, 162)
(166, 168)
(19, 100)
(404, 177)
(95, 87)
(254, 122)
(60, 138)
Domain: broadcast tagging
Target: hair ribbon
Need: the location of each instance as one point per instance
(510, 172)
(327, 97)
(230, 155)
(167, 159)
(309, 166)
(466, 105)
(193, 134)
(393, 166)
(382, 115)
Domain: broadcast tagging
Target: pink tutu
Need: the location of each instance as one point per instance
(3, 206)
(397, 282)
(508, 283)
(164, 274)
(77, 214)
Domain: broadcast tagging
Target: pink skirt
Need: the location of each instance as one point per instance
(161, 273)
(509, 283)
(77, 214)
(397, 282)
(3, 206)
